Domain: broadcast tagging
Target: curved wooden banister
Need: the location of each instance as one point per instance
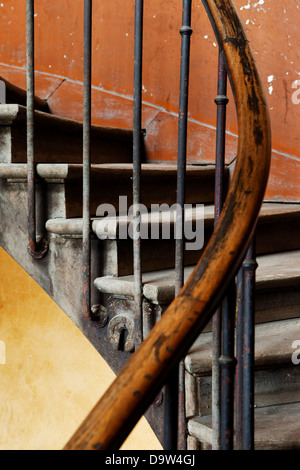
(135, 387)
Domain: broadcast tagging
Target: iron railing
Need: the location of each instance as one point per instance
(211, 290)
(37, 249)
(221, 102)
(137, 162)
(86, 158)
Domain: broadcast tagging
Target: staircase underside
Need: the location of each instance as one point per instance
(60, 275)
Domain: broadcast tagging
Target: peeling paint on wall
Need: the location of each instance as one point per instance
(270, 81)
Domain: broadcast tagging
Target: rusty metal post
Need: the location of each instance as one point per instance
(186, 32)
(227, 366)
(86, 233)
(92, 312)
(221, 102)
(223, 360)
(245, 349)
(137, 160)
(240, 359)
(175, 435)
(35, 249)
(249, 266)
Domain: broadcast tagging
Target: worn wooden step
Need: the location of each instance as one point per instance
(274, 386)
(276, 427)
(272, 216)
(277, 286)
(277, 374)
(58, 139)
(284, 220)
(110, 181)
(273, 347)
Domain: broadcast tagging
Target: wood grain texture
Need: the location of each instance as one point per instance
(135, 387)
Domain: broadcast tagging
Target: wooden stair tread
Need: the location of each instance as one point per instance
(276, 427)
(59, 139)
(278, 270)
(273, 346)
(269, 211)
(274, 270)
(109, 181)
(68, 171)
(277, 231)
(105, 226)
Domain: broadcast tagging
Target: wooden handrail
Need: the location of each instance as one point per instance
(135, 387)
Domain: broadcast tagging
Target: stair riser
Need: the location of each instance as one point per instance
(271, 305)
(287, 301)
(59, 140)
(159, 190)
(272, 387)
(280, 304)
(63, 200)
(165, 249)
(164, 259)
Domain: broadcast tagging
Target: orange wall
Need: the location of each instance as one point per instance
(273, 30)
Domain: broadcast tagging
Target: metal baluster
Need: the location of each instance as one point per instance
(221, 102)
(223, 361)
(240, 360)
(227, 365)
(137, 147)
(186, 31)
(249, 267)
(86, 234)
(36, 250)
(245, 352)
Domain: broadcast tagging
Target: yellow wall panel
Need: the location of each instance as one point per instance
(51, 376)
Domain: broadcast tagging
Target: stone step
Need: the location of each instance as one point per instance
(274, 386)
(277, 373)
(280, 221)
(59, 140)
(276, 427)
(277, 286)
(273, 347)
(110, 181)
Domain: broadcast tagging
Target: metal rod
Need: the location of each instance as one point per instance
(227, 364)
(137, 150)
(86, 234)
(175, 436)
(171, 394)
(221, 102)
(186, 32)
(240, 359)
(223, 322)
(36, 250)
(249, 266)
